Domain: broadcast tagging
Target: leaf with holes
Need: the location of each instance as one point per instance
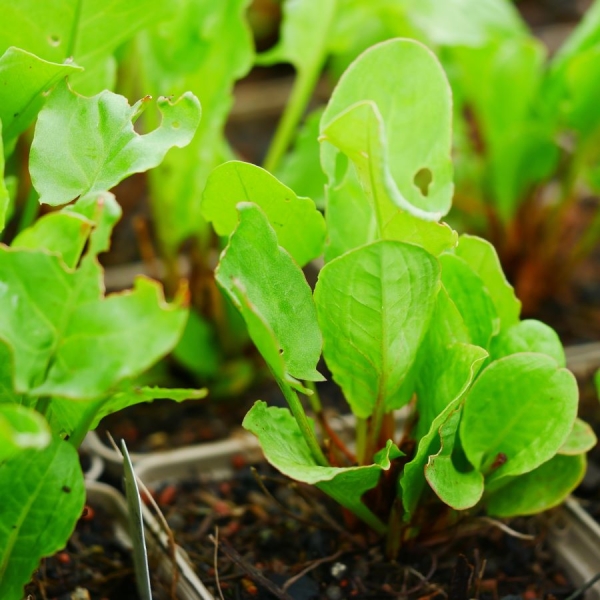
(399, 143)
(84, 146)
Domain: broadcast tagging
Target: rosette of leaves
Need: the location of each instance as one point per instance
(406, 314)
(70, 355)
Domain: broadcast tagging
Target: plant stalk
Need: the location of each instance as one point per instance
(303, 423)
(299, 98)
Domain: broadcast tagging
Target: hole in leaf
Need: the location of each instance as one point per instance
(54, 40)
(423, 180)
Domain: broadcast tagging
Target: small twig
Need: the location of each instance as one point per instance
(313, 565)
(144, 240)
(252, 572)
(584, 588)
(216, 562)
(506, 529)
(424, 579)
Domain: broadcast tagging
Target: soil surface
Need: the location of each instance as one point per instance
(274, 539)
(95, 565)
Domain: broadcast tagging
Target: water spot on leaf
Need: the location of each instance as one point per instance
(422, 180)
(54, 40)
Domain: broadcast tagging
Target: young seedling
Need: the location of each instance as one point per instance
(408, 314)
(68, 354)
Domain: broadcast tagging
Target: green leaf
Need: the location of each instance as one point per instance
(300, 227)
(23, 80)
(481, 256)
(108, 340)
(198, 349)
(529, 336)
(500, 85)
(446, 365)
(87, 31)
(66, 339)
(137, 395)
(60, 233)
(539, 490)
(522, 407)
(136, 527)
(412, 481)
(40, 512)
(87, 145)
(460, 489)
(104, 211)
(270, 291)
(452, 23)
(581, 439)
(4, 195)
(394, 138)
(470, 295)
(285, 448)
(351, 221)
(304, 34)
(374, 305)
(204, 47)
(21, 428)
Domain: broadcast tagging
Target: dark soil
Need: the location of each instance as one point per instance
(93, 560)
(281, 543)
(95, 564)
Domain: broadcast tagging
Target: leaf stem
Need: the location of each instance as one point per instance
(299, 98)
(43, 405)
(303, 423)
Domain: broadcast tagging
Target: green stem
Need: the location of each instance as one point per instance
(314, 399)
(361, 440)
(43, 405)
(301, 93)
(85, 423)
(30, 210)
(394, 533)
(303, 423)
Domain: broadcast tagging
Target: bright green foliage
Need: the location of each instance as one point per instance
(372, 324)
(286, 450)
(581, 439)
(407, 310)
(204, 47)
(458, 488)
(43, 496)
(86, 31)
(482, 258)
(21, 428)
(63, 233)
(539, 490)
(23, 79)
(522, 406)
(300, 227)
(392, 140)
(66, 164)
(4, 196)
(529, 336)
(270, 291)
